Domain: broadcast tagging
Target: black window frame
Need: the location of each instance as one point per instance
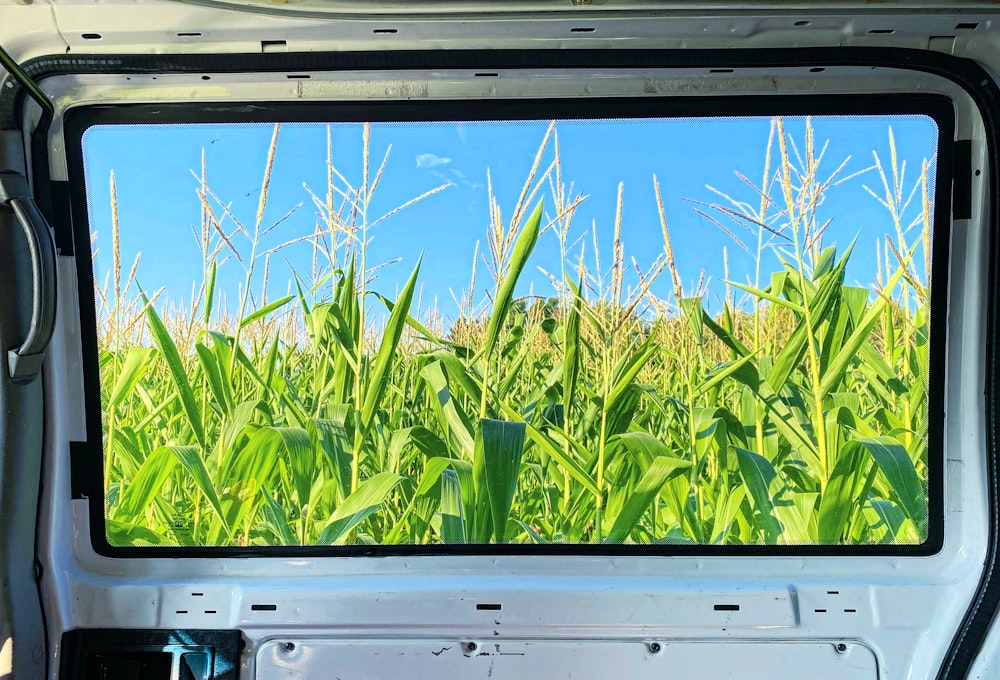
(938, 107)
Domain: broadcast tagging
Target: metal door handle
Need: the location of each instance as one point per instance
(25, 361)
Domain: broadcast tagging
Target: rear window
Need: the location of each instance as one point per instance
(595, 330)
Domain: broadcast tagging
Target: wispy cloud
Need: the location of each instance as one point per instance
(429, 160)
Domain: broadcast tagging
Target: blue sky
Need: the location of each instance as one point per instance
(158, 205)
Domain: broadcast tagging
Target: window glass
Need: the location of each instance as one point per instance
(603, 331)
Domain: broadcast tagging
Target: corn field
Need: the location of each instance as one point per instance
(795, 412)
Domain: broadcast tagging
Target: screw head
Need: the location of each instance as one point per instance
(655, 647)
(471, 646)
(289, 646)
(841, 647)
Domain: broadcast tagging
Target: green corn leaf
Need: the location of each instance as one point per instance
(843, 492)
(431, 475)
(897, 467)
(571, 349)
(277, 520)
(504, 300)
(820, 303)
(452, 516)
(265, 310)
(190, 459)
(213, 374)
(724, 335)
(662, 469)
(451, 416)
(209, 302)
(764, 295)
(727, 509)
(176, 367)
(838, 365)
(391, 334)
(541, 441)
(758, 474)
(357, 507)
(146, 485)
(499, 447)
(137, 361)
(128, 535)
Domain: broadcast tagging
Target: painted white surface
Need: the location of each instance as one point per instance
(288, 659)
(601, 609)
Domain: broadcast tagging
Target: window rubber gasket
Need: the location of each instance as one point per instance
(967, 74)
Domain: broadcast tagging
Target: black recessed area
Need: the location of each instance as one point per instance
(804, 22)
(385, 31)
(489, 607)
(190, 34)
(583, 29)
(727, 607)
(720, 70)
(816, 69)
(91, 36)
(882, 31)
(206, 77)
(488, 75)
(967, 26)
(263, 607)
(298, 76)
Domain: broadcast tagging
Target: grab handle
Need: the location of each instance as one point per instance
(25, 362)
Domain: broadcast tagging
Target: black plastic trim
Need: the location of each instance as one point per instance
(83, 650)
(79, 478)
(963, 72)
(59, 214)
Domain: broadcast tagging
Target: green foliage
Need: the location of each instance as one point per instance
(800, 421)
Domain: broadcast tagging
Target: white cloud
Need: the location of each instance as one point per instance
(429, 160)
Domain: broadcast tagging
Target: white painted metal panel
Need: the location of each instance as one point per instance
(282, 659)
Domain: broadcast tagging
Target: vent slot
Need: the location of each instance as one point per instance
(583, 29)
(882, 31)
(967, 26)
(192, 34)
(385, 31)
(489, 607)
(91, 36)
(727, 607)
(263, 607)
